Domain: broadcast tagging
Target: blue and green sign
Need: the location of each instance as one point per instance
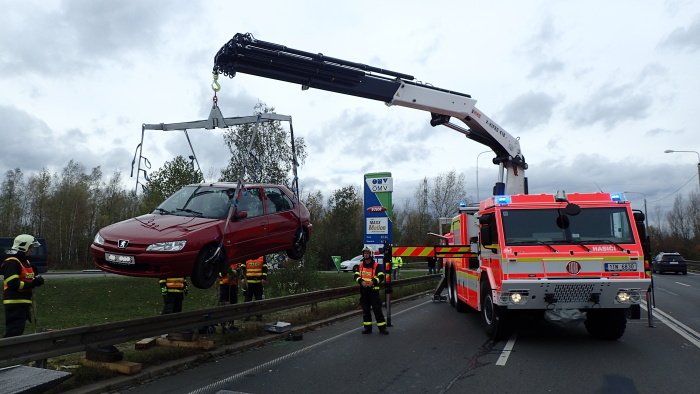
(378, 209)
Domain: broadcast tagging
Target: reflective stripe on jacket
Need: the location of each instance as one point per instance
(372, 273)
(17, 281)
(255, 270)
(231, 276)
(173, 285)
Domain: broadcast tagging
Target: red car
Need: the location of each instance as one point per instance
(199, 228)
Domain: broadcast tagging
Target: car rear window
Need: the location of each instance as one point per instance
(672, 257)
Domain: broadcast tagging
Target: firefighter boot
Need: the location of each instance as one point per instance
(367, 330)
(383, 330)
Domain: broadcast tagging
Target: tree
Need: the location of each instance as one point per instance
(446, 194)
(167, 180)
(12, 213)
(340, 231)
(38, 196)
(269, 159)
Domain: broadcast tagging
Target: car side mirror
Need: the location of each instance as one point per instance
(240, 215)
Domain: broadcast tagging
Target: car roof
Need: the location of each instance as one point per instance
(234, 184)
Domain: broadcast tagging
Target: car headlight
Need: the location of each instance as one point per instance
(170, 246)
(98, 239)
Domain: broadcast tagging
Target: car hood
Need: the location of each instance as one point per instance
(156, 227)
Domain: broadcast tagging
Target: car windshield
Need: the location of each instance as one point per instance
(198, 201)
(553, 226)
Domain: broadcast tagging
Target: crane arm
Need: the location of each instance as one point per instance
(245, 54)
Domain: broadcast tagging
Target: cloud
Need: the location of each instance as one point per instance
(546, 69)
(529, 110)
(684, 38)
(80, 35)
(611, 105)
(31, 145)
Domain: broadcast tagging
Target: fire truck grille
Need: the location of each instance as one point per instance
(573, 293)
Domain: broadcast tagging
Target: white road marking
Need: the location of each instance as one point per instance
(680, 328)
(684, 284)
(503, 358)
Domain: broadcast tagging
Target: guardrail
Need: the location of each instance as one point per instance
(694, 265)
(32, 347)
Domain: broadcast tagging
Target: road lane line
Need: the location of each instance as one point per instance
(218, 385)
(503, 358)
(680, 328)
(683, 284)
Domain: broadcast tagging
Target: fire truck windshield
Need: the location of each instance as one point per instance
(552, 226)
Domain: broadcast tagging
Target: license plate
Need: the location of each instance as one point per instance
(673, 262)
(119, 259)
(620, 266)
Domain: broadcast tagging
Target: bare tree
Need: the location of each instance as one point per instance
(270, 157)
(448, 189)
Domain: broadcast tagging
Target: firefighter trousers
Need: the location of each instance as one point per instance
(370, 301)
(16, 317)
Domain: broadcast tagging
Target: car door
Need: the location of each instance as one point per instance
(282, 221)
(247, 237)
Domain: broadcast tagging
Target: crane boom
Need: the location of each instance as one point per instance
(245, 54)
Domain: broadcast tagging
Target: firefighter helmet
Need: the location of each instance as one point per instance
(366, 249)
(24, 241)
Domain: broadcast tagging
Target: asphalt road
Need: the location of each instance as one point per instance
(434, 349)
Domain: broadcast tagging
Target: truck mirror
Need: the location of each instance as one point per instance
(485, 235)
(572, 209)
(639, 216)
(563, 222)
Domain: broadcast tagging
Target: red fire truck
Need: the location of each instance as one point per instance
(563, 256)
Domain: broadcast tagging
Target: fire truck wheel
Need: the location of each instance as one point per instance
(495, 317)
(451, 287)
(607, 324)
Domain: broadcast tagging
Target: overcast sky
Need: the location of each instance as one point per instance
(594, 90)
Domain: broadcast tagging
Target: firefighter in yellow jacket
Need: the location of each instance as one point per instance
(254, 279)
(369, 276)
(19, 278)
(173, 291)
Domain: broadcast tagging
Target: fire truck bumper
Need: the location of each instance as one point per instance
(571, 294)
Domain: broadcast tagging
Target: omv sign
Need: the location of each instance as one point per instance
(377, 185)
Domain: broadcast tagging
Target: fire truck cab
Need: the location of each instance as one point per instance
(568, 257)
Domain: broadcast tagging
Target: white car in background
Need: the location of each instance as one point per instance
(351, 265)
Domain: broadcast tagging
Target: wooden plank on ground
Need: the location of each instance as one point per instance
(145, 343)
(123, 367)
(204, 344)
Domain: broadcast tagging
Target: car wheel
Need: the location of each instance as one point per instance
(299, 248)
(206, 269)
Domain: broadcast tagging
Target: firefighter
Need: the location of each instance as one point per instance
(253, 279)
(228, 291)
(19, 280)
(369, 276)
(173, 291)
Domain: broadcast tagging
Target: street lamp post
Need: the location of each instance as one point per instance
(477, 174)
(687, 151)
